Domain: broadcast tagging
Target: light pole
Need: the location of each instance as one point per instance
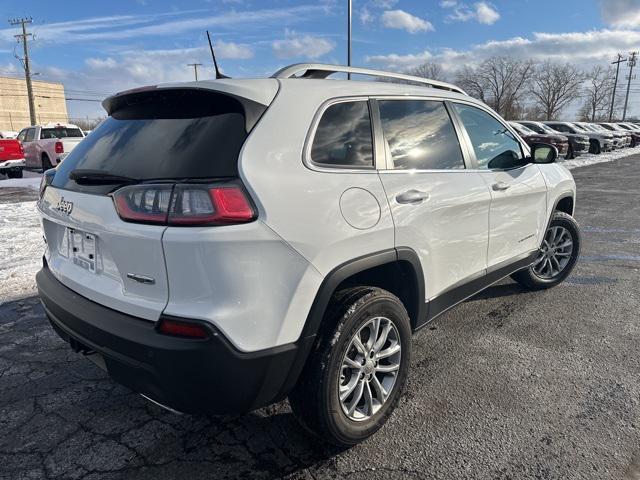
(349, 11)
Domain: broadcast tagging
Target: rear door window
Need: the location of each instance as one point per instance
(419, 135)
(343, 136)
(31, 135)
(170, 135)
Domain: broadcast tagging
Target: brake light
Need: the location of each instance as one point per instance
(184, 204)
(143, 203)
(59, 147)
(182, 329)
(21, 148)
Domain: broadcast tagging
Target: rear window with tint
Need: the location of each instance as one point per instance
(343, 136)
(177, 134)
(60, 132)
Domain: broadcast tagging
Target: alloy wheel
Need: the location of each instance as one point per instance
(555, 253)
(369, 369)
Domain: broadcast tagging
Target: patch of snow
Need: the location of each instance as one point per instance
(21, 249)
(32, 183)
(591, 159)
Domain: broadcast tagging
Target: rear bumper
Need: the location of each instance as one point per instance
(12, 164)
(193, 376)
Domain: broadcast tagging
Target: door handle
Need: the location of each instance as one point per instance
(412, 197)
(500, 186)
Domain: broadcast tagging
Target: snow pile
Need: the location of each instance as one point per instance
(30, 182)
(590, 159)
(21, 249)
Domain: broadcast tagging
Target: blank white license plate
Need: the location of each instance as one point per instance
(82, 248)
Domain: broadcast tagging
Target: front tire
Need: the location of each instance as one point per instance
(557, 256)
(594, 147)
(570, 154)
(353, 380)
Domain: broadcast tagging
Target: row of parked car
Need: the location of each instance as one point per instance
(575, 138)
(38, 146)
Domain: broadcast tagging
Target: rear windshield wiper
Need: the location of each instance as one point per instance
(98, 177)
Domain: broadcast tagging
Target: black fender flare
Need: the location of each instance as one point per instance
(332, 280)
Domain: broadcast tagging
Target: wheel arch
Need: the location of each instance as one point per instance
(381, 269)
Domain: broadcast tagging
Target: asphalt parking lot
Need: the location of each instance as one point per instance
(509, 385)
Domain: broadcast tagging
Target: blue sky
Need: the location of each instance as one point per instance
(97, 48)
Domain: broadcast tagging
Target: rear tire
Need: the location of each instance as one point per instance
(46, 163)
(15, 173)
(557, 257)
(350, 387)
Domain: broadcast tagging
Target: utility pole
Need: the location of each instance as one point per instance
(23, 37)
(631, 63)
(195, 68)
(613, 97)
(349, 12)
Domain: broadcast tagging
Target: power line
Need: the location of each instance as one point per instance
(27, 67)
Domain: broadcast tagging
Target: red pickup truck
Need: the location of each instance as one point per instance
(11, 158)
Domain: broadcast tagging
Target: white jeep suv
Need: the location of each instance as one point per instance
(218, 246)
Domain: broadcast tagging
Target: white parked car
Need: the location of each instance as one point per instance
(8, 134)
(45, 146)
(220, 245)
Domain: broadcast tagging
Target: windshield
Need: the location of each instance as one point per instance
(522, 129)
(61, 132)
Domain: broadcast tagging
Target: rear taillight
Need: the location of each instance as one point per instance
(21, 148)
(182, 329)
(59, 147)
(144, 203)
(184, 204)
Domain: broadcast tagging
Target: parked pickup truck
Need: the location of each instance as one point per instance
(45, 146)
(11, 158)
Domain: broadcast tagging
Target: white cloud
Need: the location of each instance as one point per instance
(486, 14)
(399, 62)
(306, 46)
(585, 48)
(232, 50)
(405, 21)
(621, 13)
(482, 12)
(168, 24)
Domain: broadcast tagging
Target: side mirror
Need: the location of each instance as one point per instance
(543, 153)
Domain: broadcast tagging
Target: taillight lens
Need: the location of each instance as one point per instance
(21, 148)
(182, 329)
(184, 204)
(213, 204)
(144, 203)
(59, 147)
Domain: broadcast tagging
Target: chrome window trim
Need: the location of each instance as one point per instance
(318, 167)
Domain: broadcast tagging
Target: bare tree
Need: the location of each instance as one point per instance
(433, 71)
(597, 94)
(500, 82)
(554, 87)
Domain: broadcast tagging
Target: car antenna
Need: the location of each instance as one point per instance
(213, 55)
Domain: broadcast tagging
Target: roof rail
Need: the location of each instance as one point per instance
(321, 70)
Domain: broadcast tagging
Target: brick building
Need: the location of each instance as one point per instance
(50, 102)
